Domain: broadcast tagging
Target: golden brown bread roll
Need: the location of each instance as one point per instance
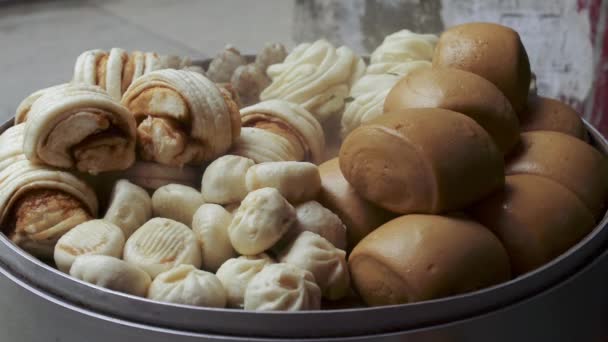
(422, 160)
(462, 92)
(420, 257)
(566, 160)
(545, 114)
(536, 219)
(358, 215)
(492, 51)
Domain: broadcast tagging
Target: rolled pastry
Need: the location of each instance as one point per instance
(224, 64)
(290, 121)
(317, 76)
(315, 218)
(359, 215)
(405, 46)
(130, 207)
(111, 273)
(177, 202)
(492, 51)
(95, 237)
(38, 205)
(114, 71)
(224, 180)
(567, 160)
(462, 92)
(187, 285)
(236, 273)
(182, 117)
(210, 226)
(151, 175)
(80, 126)
(421, 257)
(261, 145)
(545, 114)
(262, 219)
(11, 145)
(297, 181)
(315, 254)
(283, 287)
(162, 244)
(24, 107)
(519, 217)
(404, 161)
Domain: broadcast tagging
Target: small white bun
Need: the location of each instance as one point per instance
(236, 273)
(111, 273)
(296, 181)
(92, 237)
(262, 219)
(177, 202)
(224, 180)
(210, 225)
(187, 285)
(283, 287)
(314, 253)
(313, 217)
(162, 244)
(130, 206)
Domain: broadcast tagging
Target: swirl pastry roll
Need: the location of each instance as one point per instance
(224, 179)
(290, 121)
(24, 107)
(297, 181)
(38, 205)
(404, 46)
(283, 287)
(210, 225)
(545, 114)
(236, 273)
(162, 244)
(11, 145)
(182, 117)
(317, 76)
(130, 207)
(261, 146)
(327, 263)
(187, 285)
(80, 126)
(177, 202)
(111, 273)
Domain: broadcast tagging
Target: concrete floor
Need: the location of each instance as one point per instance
(39, 41)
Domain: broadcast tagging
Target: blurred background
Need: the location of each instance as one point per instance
(40, 40)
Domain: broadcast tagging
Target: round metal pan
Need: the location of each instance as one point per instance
(313, 324)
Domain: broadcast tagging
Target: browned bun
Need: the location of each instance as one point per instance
(423, 160)
(566, 160)
(460, 91)
(536, 219)
(492, 51)
(421, 257)
(358, 215)
(545, 114)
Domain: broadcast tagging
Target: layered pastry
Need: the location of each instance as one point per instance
(210, 225)
(566, 160)
(421, 257)
(492, 51)
(80, 127)
(24, 107)
(236, 273)
(536, 218)
(399, 54)
(11, 145)
(114, 71)
(318, 76)
(296, 133)
(462, 92)
(182, 117)
(424, 160)
(111, 273)
(545, 114)
(261, 145)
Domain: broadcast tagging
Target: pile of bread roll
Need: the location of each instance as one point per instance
(452, 176)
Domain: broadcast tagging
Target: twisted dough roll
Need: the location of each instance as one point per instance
(24, 107)
(11, 145)
(399, 54)
(80, 126)
(183, 118)
(262, 146)
(116, 70)
(317, 76)
(290, 121)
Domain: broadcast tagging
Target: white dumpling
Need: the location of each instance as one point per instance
(314, 253)
(187, 285)
(177, 202)
(296, 181)
(314, 217)
(111, 273)
(210, 225)
(130, 207)
(283, 287)
(224, 180)
(236, 273)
